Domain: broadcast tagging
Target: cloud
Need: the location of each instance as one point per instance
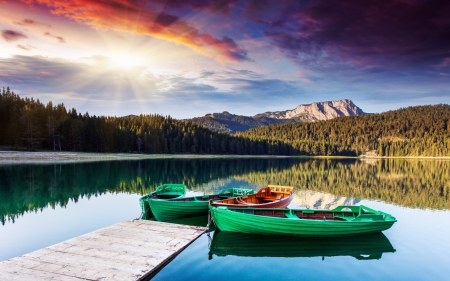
(11, 35)
(253, 88)
(151, 18)
(30, 22)
(95, 80)
(59, 38)
(392, 33)
(215, 6)
(26, 48)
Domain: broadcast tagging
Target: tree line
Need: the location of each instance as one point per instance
(414, 131)
(410, 183)
(31, 125)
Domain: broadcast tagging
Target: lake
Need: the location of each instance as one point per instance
(41, 205)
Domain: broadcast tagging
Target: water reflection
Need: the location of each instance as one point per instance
(411, 183)
(363, 247)
(320, 200)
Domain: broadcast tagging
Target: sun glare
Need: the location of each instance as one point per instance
(124, 59)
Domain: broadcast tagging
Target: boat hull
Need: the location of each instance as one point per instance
(362, 247)
(230, 220)
(167, 191)
(166, 210)
(172, 209)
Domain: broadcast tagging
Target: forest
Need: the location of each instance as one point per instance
(28, 124)
(412, 131)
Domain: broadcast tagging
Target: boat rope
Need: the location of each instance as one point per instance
(210, 219)
(209, 240)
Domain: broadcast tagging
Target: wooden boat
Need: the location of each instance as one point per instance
(361, 247)
(165, 191)
(182, 207)
(272, 196)
(342, 220)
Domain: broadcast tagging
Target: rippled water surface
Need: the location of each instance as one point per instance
(41, 205)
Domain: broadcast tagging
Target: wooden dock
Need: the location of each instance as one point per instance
(130, 250)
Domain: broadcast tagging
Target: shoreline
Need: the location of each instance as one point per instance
(50, 157)
(60, 157)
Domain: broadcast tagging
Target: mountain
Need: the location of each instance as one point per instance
(317, 111)
(226, 122)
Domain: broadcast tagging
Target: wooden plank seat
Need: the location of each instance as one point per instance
(270, 198)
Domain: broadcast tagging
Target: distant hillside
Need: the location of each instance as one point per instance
(412, 131)
(230, 123)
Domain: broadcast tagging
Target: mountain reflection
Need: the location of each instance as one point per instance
(321, 201)
(363, 247)
(319, 183)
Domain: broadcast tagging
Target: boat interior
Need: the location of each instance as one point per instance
(310, 214)
(164, 196)
(226, 193)
(264, 195)
(200, 198)
(168, 191)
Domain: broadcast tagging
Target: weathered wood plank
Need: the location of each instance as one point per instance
(13, 273)
(158, 226)
(128, 250)
(104, 239)
(120, 248)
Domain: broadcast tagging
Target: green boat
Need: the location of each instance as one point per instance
(165, 191)
(343, 220)
(170, 209)
(361, 247)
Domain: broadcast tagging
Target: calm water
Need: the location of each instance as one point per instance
(41, 205)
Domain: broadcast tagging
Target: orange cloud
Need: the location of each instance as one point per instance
(147, 18)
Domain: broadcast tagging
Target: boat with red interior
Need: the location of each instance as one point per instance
(272, 196)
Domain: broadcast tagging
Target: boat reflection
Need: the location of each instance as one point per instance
(194, 221)
(363, 247)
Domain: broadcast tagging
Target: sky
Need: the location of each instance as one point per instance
(188, 58)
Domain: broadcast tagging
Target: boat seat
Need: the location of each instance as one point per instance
(344, 218)
(370, 217)
(240, 201)
(270, 198)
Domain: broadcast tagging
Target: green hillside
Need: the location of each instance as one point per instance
(412, 131)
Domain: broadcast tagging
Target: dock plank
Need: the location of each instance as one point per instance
(128, 250)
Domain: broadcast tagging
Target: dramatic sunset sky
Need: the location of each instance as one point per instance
(186, 58)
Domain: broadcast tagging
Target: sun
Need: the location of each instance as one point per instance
(124, 60)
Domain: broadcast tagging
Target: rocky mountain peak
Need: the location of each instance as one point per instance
(227, 122)
(317, 111)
